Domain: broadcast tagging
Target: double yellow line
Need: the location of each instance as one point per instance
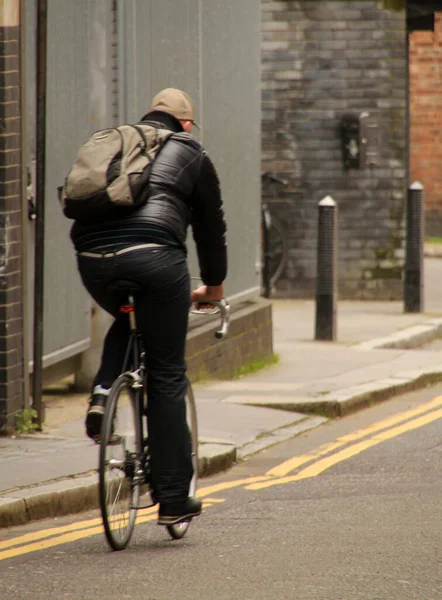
(383, 430)
(320, 460)
(57, 536)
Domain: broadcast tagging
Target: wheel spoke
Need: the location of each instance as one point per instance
(179, 530)
(118, 463)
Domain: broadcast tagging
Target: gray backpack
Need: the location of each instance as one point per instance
(110, 172)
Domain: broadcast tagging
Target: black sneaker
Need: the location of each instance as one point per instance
(177, 512)
(94, 416)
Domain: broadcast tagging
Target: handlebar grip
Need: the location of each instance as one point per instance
(224, 308)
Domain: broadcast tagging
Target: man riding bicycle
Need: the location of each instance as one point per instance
(147, 246)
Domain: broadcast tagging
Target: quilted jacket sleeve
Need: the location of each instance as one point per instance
(208, 224)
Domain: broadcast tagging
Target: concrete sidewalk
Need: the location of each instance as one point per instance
(375, 357)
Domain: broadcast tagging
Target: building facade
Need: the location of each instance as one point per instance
(105, 61)
(11, 220)
(329, 69)
(426, 116)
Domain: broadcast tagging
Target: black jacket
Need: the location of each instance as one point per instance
(183, 189)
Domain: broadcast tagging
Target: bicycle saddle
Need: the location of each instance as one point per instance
(123, 285)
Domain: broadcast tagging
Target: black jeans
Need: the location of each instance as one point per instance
(162, 310)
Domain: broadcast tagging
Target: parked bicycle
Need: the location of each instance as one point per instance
(124, 461)
(274, 241)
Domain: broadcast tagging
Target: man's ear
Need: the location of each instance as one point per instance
(187, 126)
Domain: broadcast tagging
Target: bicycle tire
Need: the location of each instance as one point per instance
(180, 529)
(278, 250)
(118, 462)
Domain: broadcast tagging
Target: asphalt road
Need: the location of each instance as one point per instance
(349, 511)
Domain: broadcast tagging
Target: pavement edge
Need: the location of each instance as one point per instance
(78, 494)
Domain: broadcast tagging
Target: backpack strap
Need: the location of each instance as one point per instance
(142, 136)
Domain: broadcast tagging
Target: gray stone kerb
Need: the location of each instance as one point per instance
(348, 400)
(79, 493)
(412, 337)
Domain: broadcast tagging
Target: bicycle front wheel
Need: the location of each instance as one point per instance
(119, 464)
(179, 530)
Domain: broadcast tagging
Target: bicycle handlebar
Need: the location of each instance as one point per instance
(272, 178)
(223, 307)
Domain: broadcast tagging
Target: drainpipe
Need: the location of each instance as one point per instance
(40, 209)
(24, 207)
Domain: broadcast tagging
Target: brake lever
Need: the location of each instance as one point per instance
(223, 307)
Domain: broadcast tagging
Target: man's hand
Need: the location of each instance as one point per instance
(201, 296)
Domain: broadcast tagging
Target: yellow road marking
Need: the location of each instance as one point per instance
(68, 538)
(324, 464)
(227, 485)
(58, 541)
(39, 535)
(293, 463)
(69, 533)
(63, 539)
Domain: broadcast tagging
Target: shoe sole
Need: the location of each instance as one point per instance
(177, 520)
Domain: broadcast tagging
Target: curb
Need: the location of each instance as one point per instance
(79, 493)
(349, 400)
(407, 339)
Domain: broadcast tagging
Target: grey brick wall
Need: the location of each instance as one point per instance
(322, 59)
(11, 308)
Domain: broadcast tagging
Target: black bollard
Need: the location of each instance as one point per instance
(326, 273)
(414, 249)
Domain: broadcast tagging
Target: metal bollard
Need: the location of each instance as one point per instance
(326, 273)
(414, 249)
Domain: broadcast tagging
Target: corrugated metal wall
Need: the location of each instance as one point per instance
(69, 122)
(106, 58)
(211, 49)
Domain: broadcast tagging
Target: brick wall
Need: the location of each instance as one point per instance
(11, 307)
(426, 119)
(322, 59)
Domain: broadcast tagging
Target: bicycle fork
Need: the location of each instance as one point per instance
(266, 223)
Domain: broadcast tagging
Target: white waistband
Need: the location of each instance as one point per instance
(123, 251)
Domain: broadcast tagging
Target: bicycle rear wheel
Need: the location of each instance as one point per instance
(278, 250)
(179, 530)
(119, 464)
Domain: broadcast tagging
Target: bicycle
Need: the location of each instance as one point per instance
(274, 241)
(124, 461)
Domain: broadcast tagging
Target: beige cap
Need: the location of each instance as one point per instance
(175, 102)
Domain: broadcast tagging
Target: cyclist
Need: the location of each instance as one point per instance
(148, 247)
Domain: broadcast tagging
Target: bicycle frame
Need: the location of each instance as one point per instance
(130, 462)
(136, 368)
